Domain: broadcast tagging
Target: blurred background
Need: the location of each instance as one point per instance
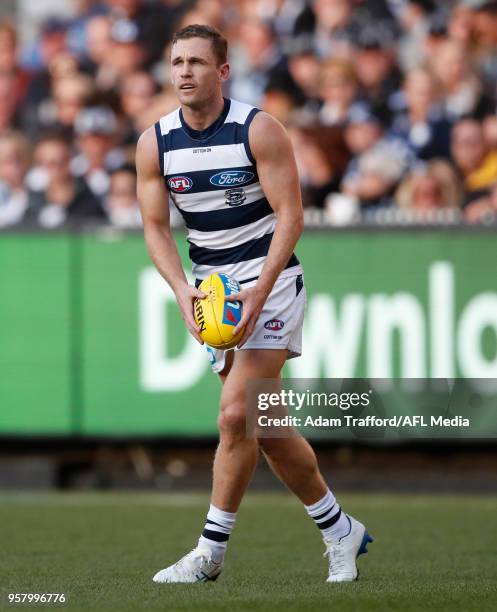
(392, 109)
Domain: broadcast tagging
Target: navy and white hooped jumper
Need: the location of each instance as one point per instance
(212, 179)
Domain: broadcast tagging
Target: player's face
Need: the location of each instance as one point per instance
(195, 75)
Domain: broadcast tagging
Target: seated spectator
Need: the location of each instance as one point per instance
(432, 186)
(8, 61)
(339, 90)
(418, 118)
(321, 156)
(279, 103)
(304, 70)
(14, 164)
(462, 90)
(121, 203)
(376, 177)
(365, 132)
(476, 163)
(375, 65)
(154, 22)
(335, 27)
(97, 47)
(460, 24)
(137, 92)
(69, 94)
(58, 198)
(484, 209)
(489, 125)
(257, 62)
(127, 53)
(83, 12)
(484, 32)
(362, 130)
(9, 117)
(96, 131)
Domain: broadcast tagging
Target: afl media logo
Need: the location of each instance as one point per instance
(179, 184)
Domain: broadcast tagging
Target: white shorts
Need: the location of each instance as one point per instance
(279, 325)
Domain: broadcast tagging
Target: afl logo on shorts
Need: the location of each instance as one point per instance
(274, 325)
(179, 184)
(235, 197)
(231, 178)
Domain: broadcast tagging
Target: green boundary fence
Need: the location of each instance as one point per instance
(91, 342)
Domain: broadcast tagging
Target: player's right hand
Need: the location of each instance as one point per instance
(185, 297)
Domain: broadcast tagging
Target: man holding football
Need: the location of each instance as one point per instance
(231, 172)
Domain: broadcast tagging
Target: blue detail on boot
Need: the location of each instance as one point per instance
(366, 539)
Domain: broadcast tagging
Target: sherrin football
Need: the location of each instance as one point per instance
(215, 317)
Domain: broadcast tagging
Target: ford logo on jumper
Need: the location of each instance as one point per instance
(231, 177)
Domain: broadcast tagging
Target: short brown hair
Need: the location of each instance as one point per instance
(218, 42)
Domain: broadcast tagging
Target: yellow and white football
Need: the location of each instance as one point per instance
(215, 317)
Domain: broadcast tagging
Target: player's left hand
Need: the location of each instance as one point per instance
(253, 300)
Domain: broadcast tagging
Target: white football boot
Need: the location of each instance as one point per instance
(342, 555)
(196, 566)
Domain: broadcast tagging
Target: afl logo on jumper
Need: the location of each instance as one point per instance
(179, 184)
(274, 325)
(231, 178)
(235, 197)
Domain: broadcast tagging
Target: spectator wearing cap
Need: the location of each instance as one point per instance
(121, 203)
(96, 131)
(304, 69)
(127, 53)
(84, 11)
(362, 130)
(418, 118)
(57, 198)
(375, 64)
(153, 20)
(14, 164)
(476, 163)
(52, 42)
(366, 139)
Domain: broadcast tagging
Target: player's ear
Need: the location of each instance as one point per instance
(224, 72)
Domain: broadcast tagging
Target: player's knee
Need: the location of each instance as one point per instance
(231, 419)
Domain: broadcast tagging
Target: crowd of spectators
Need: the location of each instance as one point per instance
(391, 104)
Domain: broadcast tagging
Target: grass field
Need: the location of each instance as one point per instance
(101, 550)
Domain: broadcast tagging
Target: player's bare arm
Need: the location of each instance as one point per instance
(278, 175)
(153, 199)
